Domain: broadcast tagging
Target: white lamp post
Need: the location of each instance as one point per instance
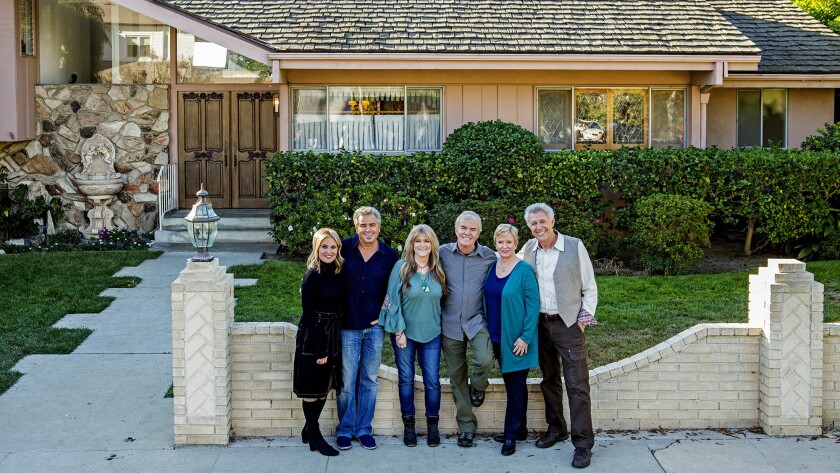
(202, 226)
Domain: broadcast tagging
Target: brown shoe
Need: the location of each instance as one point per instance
(550, 438)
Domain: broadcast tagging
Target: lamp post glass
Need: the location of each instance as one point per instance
(202, 226)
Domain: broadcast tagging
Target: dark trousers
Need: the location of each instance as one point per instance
(566, 346)
(516, 417)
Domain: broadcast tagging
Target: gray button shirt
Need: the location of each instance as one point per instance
(462, 308)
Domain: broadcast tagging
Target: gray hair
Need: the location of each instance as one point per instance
(468, 214)
(362, 211)
(539, 207)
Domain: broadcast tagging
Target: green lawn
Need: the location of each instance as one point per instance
(38, 289)
(634, 312)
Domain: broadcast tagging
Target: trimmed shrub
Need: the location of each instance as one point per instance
(826, 139)
(669, 230)
(772, 196)
(490, 158)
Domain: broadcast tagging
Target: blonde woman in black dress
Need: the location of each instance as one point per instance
(318, 351)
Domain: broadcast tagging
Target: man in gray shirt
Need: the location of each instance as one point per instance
(463, 323)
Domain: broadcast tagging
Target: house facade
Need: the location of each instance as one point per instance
(191, 91)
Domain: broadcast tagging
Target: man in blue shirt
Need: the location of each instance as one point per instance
(367, 266)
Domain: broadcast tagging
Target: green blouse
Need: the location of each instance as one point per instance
(414, 311)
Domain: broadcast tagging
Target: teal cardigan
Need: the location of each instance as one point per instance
(520, 315)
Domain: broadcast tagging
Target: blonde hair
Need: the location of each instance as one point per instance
(313, 261)
(507, 228)
(410, 267)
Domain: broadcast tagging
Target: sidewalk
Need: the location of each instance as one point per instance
(101, 409)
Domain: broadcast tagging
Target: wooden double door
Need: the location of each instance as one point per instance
(225, 139)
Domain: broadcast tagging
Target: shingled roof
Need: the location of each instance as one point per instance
(774, 28)
(791, 41)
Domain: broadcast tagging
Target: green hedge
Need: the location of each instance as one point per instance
(781, 196)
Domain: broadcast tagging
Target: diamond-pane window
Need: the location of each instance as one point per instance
(554, 115)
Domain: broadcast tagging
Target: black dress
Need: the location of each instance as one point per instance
(323, 298)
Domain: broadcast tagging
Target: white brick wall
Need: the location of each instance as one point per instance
(831, 375)
(709, 376)
(700, 378)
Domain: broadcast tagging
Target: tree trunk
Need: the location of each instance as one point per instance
(748, 242)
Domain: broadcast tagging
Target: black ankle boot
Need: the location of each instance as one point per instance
(311, 431)
(433, 438)
(409, 434)
(317, 442)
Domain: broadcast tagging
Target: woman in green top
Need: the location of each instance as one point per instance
(411, 313)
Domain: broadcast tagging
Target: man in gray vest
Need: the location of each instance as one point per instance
(568, 297)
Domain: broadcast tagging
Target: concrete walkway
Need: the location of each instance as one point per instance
(102, 409)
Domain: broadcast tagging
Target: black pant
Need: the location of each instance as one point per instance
(517, 398)
(558, 345)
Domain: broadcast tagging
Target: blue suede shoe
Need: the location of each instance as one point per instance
(343, 442)
(367, 442)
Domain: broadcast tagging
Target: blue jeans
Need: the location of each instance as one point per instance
(360, 359)
(428, 355)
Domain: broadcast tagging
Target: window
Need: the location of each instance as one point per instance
(610, 118)
(138, 46)
(203, 62)
(554, 113)
(376, 119)
(27, 28)
(602, 118)
(667, 123)
(762, 117)
(96, 41)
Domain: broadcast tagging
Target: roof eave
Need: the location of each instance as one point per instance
(474, 61)
(783, 80)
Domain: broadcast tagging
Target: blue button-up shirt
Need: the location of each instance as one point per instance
(366, 282)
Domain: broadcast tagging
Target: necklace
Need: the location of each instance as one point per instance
(506, 267)
(423, 277)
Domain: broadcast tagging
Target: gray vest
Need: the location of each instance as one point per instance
(568, 285)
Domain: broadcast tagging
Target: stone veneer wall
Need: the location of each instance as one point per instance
(134, 117)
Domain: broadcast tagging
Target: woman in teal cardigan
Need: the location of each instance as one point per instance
(512, 305)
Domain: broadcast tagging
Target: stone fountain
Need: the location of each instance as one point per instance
(99, 181)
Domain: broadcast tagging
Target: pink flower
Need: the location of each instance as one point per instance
(510, 221)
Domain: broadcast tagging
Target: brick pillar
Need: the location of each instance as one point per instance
(787, 304)
(202, 312)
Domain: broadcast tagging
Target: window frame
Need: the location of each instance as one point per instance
(406, 88)
(26, 29)
(611, 89)
(761, 113)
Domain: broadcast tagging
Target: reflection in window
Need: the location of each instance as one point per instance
(203, 62)
(591, 118)
(95, 41)
(762, 117)
(27, 29)
(366, 119)
(309, 109)
(774, 117)
(628, 118)
(554, 117)
(668, 118)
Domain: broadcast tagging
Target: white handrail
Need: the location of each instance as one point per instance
(167, 198)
